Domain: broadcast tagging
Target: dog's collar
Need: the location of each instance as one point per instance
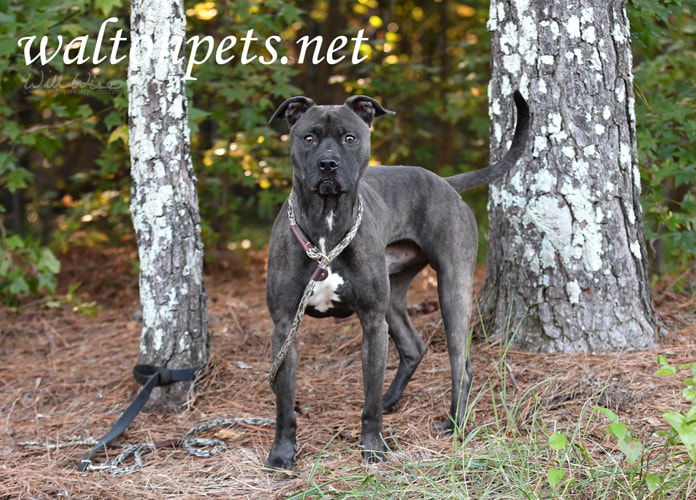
(323, 261)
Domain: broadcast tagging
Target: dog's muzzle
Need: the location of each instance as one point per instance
(329, 182)
(328, 187)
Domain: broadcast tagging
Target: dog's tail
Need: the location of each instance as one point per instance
(468, 180)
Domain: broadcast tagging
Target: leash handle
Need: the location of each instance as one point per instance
(149, 376)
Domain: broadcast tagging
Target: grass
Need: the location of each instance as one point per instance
(527, 458)
(500, 460)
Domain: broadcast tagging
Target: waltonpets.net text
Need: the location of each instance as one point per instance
(200, 49)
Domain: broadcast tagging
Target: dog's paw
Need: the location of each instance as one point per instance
(281, 456)
(373, 449)
(390, 406)
(443, 428)
(280, 463)
(373, 457)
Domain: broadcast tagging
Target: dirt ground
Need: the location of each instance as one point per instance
(66, 378)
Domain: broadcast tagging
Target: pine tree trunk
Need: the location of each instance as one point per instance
(164, 202)
(567, 262)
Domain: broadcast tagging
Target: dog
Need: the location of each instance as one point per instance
(411, 217)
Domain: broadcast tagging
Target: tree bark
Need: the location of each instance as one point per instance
(567, 266)
(164, 201)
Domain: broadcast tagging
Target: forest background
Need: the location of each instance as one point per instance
(64, 161)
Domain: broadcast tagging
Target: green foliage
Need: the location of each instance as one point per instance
(683, 425)
(557, 442)
(430, 64)
(242, 164)
(89, 309)
(56, 120)
(630, 446)
(555, 476)
(664, 47)
(25, 267)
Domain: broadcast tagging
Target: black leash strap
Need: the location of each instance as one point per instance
(149, 377)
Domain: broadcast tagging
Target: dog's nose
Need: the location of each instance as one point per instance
(328, 165)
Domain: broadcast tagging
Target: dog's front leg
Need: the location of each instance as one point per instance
(283, 450)
(375, 344)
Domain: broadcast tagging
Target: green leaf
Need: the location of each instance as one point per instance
(555, 476)
(618, 430)
(632, 449)
(557, 441)
(106, 6)
(13, 242)
(48, 145)
(676, 420)
(120, 132)
(12, 130)
(666, 371)
(197, 115)
(46, 281)
(691, 450)
(48, 262)
(6, 18)
(113, 119)
(688, 437)
(691, 414)
(685, 176)
(653, 482)
(689, 394)
(613, 417)
(19, 285)
(7, 162)
(18, 178)
(28, 139)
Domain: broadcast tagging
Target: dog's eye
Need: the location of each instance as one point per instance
(308, 139)
(350, 139)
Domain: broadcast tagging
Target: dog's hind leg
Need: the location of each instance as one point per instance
(455, 281)
(406, 338)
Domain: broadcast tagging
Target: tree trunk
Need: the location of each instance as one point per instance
(567, 262)
(164, 202)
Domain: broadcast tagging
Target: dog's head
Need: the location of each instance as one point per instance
(329, 145)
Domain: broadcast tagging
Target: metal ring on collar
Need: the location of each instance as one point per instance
(321, 256)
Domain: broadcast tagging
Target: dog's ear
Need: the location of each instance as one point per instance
(366, 107)
(292, 109)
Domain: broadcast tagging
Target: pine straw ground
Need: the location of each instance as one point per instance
(66, 377)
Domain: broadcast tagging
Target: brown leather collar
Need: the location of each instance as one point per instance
(323, 261)
(320, 273)
(301, 237)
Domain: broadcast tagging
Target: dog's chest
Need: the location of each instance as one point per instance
(325, 293)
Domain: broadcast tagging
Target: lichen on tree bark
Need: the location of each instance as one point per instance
(567, 263)
(164, 201)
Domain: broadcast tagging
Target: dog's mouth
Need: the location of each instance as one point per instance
(328, 187)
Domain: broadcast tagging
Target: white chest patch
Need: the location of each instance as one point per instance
(324, 293)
